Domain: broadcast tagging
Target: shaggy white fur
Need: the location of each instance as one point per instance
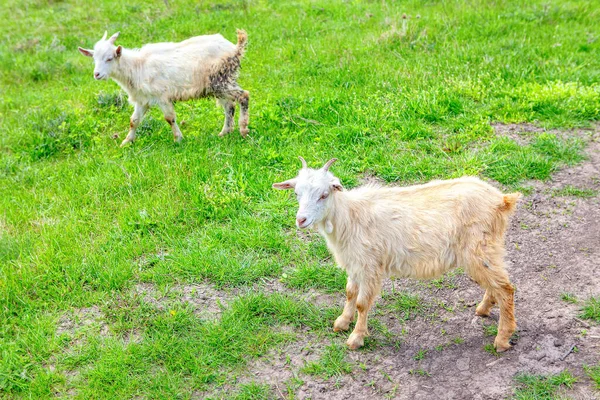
(162, 73)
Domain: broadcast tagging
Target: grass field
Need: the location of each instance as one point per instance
(406, 92)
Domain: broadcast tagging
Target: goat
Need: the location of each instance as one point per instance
(161, 73)
(418, 231)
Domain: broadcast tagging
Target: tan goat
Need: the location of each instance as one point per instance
(419, 231)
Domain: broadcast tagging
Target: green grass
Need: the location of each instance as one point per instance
(202, 353)
(254, 391)
(591, 309)
(535, 387)
(458, 340)
(489, 348)
(407, 306)
(249, 391)
(326, 278)
(568, 297)
(575, 192)
(419, 372)
(420, 354)
(447, 281)
(593, 371)
(84, 221)
(331, 363)
(490, 330)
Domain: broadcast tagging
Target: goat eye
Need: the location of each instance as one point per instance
(109, 60)
(324, 196)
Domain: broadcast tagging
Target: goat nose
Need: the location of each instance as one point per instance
(300, 220)
(96, 75)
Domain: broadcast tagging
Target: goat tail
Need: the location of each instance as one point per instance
(509, 202)
(242, 42)
(225, 71)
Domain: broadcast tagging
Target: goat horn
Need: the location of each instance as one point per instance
(105, 34)
(328, 164)
(114, 37)
(303, 162)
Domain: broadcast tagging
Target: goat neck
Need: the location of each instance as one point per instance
(333, 225)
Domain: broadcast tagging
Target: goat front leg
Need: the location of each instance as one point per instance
(169, 112)
(342, 323)
(138, 114)
(367, 292)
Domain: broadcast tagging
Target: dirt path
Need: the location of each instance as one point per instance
(553, 248)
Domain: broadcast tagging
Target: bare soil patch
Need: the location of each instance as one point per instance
(520, 133)
(206, 301)
(280, 365)
(310, 295)
(80, 319)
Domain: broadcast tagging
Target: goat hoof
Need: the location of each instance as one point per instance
(223, 133)
(501, 345)
(244, 132)
(178, 139)
(482, 312)
(355, 341)
(125, 142)
(341, 324)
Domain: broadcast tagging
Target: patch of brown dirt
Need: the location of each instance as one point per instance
(520, 133)
(311, 295)
(282, 364)
(206, 301)
(72, 323)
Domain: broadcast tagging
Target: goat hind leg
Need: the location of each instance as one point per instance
(242, 97)
(493, 277)
(243, 100)
(229, 109)
(484, 308)
(507, 323)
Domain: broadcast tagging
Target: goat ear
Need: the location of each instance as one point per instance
(85, 52)
(336, 184)
(113, 38)
(118, 51)
(289, 184)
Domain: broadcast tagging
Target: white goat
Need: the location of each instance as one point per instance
(161, 73)
(419, 231)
